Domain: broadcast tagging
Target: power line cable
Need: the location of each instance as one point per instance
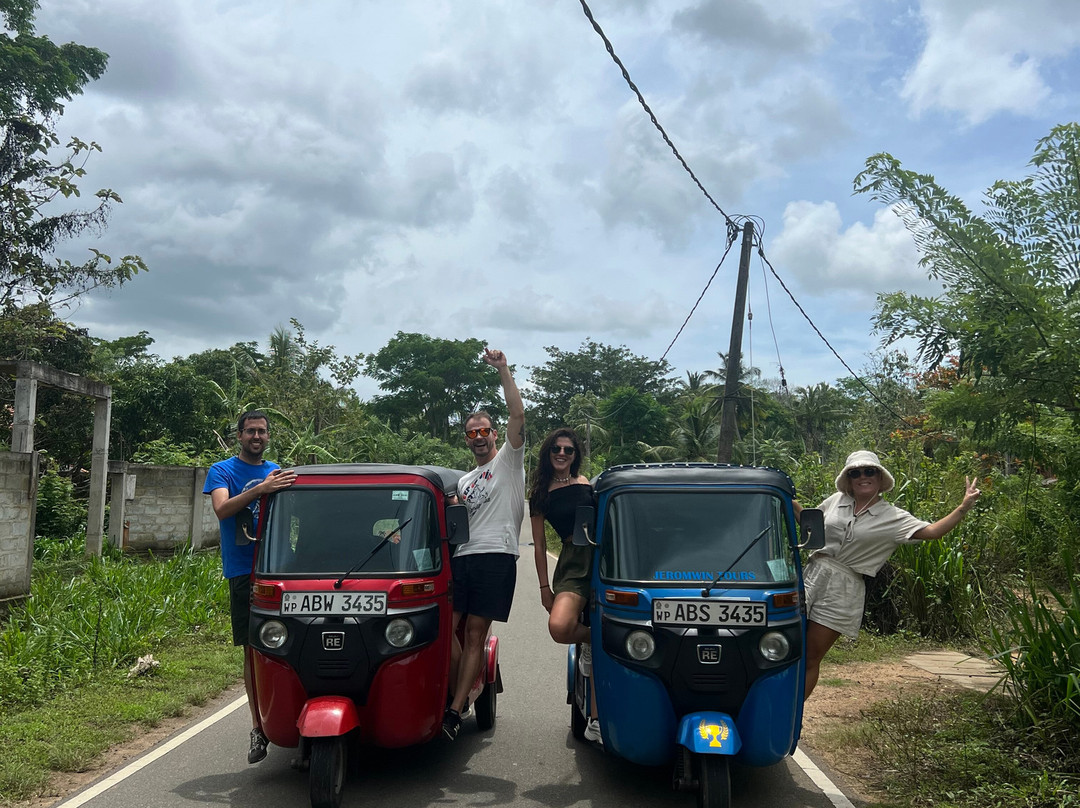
(732, 224)
(727, 249)
(802, 311)
(652, 117)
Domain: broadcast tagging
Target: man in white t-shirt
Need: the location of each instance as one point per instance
(485, 567)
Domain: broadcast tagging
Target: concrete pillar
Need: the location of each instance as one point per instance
(198, 500)
(121, 490)
(99, 465)
(22, 425)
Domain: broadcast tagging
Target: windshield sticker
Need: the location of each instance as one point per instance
(396, 495)
(688, 575)
(780, 569)
(423, 560)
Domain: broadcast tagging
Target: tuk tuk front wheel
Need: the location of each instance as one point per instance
(714, 782)
(327, 771)
(486, 705)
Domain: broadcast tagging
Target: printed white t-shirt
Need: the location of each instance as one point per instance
(494, 493)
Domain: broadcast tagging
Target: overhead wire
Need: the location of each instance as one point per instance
(733, 229)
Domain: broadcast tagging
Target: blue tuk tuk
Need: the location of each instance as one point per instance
(697, 619)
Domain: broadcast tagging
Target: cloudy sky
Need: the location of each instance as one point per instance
(480, 168)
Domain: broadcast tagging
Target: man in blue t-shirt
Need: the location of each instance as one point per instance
(236, 485)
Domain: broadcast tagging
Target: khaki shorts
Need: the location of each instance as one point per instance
(835, 595)
(573, 571)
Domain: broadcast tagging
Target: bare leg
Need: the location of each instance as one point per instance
(564, 624)
(472, 658)
(565, 627)
(819, 639)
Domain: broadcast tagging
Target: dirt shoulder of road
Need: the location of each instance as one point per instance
(838, 702)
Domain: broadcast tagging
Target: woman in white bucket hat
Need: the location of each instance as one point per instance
(861, 532)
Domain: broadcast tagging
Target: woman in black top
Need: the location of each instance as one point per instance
(557, 491)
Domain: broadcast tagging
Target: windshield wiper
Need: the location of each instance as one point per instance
(379, 546)
(708, 590)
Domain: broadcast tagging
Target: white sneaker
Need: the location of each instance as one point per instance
(467, 711)
(585, 659)
(592, 731)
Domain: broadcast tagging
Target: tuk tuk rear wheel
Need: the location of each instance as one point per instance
(486, 705)
(327, 771)
(578, 722)
(714, 782)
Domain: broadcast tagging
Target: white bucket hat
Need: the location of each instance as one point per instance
(863, 459)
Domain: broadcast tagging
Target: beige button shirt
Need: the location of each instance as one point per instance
(864, 542)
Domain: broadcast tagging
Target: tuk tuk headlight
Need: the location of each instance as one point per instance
(774, 646)
(640, 645)
(399, 632)
(273, 634)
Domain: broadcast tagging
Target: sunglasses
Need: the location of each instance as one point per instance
(483, 432)
(854, 474)
(566, 450)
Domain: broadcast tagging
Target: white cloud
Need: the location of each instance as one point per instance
(481, 169)
(860, 260)
(983, 57)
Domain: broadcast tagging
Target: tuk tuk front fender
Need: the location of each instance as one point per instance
(771, 717)
(709, 733)
(327, 717)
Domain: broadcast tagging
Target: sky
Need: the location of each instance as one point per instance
(481, 169)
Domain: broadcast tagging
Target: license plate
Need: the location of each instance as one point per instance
(712, 613)
(317, 604)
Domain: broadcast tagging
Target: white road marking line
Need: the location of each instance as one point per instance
(828, 788)
(157, 752)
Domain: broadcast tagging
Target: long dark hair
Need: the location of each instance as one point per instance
(538, 496)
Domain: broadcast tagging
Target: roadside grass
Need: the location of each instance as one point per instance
(66, 732)
(873, 647)
(65, 653)
(963, 749)
(951, 748)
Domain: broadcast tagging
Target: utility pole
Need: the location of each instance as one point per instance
(734, 356)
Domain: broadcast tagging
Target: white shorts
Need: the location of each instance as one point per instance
(835, 595)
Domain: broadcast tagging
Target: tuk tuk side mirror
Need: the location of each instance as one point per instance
(457, 524)
(584, 525)
(245, 526)
(812, 525)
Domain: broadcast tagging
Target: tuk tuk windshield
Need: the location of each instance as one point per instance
(693, 537)
(317, 530)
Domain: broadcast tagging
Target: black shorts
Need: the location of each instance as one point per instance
(240, 608)
(484, 584)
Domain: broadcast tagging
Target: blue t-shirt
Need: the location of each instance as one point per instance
(236, 476)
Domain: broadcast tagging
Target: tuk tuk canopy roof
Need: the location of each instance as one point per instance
(692, 474)
(443, 478)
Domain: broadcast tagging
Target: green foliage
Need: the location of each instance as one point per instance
(1038, 643)
(67, 732)
(635, 423)
(36, 77)
(595, 369)
(59, 514)
(165, 452)
(88, 616)
(432, 384)
(1009, 306)
(963, 750)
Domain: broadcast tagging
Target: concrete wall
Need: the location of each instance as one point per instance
(163, 507)
(18, 494)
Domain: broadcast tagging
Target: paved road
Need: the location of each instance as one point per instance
(528, 759)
